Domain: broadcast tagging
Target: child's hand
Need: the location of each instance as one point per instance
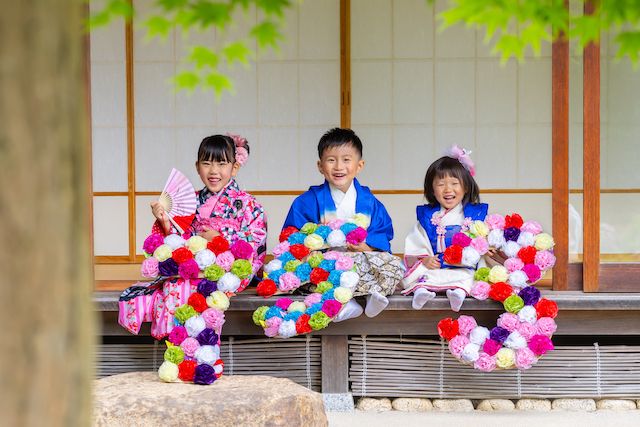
(210, 233)
(158, 211)
(431, 262)
(361, 247)
(491, 252)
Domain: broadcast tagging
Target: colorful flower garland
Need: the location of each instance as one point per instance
(230, 266)
(523, 333)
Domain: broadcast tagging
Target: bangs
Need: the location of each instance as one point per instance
(449, 167)
(216, 149)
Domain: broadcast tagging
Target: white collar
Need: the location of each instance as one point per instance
(337, 195)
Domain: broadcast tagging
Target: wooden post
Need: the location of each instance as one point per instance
(335, 364)
(345, 63)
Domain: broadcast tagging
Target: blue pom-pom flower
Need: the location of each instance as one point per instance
(275, 275)
(274, 311)
(292, 316)
(348, 227)
(323, 231)
(296, 239)
(334, 277)
(314, 309)
(328, 265)
(303, 271)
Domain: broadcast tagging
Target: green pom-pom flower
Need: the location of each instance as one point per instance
(513, 304)
(174, 355)
(184, 312)
(482, 274)
(319, 320)
(258, 315)
(309, 228)
(324, 287)
(292, 265)
(242, 268)
(315, 260)
(213, 273)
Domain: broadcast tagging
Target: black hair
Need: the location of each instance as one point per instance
(338, 137)
(447, 166)
(218, 148)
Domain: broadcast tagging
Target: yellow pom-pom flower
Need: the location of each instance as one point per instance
(196, 244)
(342, 294)
(505, 357)
(297, 306)
(361, 220)
(479, 228)
(162, 253)
(543, 242)
(314, 242)
(498, 274)
(219, 300)
(168, 372)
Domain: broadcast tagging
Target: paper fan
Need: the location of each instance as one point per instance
(179, 200)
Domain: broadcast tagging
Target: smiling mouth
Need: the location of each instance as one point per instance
(339, 176)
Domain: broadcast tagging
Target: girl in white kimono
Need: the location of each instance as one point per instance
(453, 204)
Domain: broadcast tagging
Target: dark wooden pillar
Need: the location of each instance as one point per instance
(335, 364)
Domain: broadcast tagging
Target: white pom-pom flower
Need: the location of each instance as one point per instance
(229, 282)
(528, 314)
(274, 265)
(496, 238)
(349, 279)
(515, 341)
(526, 239)
(479, 335)
(511, 249)
(287, 329)
(470, 353)
(174, 241)
(194, 325)
(470, 257)
(336, 239)
(518, 278)
(205, 258)
(207, 354)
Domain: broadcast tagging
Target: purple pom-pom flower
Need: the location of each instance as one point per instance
(511, 234)
(206, 287)
(208, 337)
(168, 267)
(204, 374)
(499, 334)
(530, 295)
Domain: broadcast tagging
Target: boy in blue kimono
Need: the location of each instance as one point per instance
(342, 197)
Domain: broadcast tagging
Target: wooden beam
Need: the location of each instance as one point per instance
(131, 147)
(591, 165)
(335, 364)
(560, 160)
(345, 63)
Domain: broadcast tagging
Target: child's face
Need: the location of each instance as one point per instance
(340, 165)
(449, 191)
(216, 175)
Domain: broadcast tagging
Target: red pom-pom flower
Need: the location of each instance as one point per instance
(453, 254)
(218, 245)
(267, 288)
(198, 302)
(448, 329)
(513, 220)
(187, 370)
(299, 251)
(318, 275)
(284, 234)
(546, 308)
(527, 254)
(302, 324)
(181, 255)
(500, 291)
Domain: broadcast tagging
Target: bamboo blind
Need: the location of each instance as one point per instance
(298, 359)
(401, 367)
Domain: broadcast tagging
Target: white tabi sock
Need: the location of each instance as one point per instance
(376, 302)
(351, 310)
(421, 296)
(456, 298)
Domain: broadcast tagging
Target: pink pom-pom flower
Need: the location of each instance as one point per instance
(344, 263)
(280, 248)
(461, 239)
(241, 250)
(480, 290)
(546, 326)
(540, 344)
(544, 260)
(513, 264)
(527, 330)
(188, 269)
(336, 224)
(485, 363)
(149, 267)
(495, 221)
(491, 347)
(480, 244)
(508, 321)
(273, 325)
(213, 318)
(532, 227)
(457, 344)
(525, 358)
(288, 282)
(312, 299)
(357, 236)
(532, 271)
(466, 324)
(152, 243)
(332, 255)
(189, 346)
(284, 303)
(225, 260)
(331, 307)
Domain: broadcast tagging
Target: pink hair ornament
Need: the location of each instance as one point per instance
(462, 156)
(241, 153)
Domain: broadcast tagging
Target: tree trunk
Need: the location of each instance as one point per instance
(45, 261)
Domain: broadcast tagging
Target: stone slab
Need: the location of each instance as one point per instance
(338, 402)
(616, 404)
(139, 399)
(496, 405)
(371, 404)
(453, 405)
(566, 404)
(533, 405)
(408, 404)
